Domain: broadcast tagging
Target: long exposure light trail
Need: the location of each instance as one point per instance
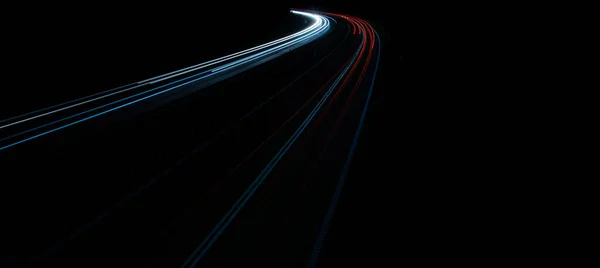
(255, 54)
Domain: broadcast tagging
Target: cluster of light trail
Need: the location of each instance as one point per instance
(336, 84)
(127, 95)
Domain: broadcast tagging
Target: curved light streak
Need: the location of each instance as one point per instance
(318, 22)
(319, 27)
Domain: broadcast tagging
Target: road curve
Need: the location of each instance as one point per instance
(236, 161)
(180, 83)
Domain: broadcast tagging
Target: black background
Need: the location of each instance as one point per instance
(457, 78)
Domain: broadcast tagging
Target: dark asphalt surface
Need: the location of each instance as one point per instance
(183, 152)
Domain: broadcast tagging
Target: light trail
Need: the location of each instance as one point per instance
(315, 30)
(323, 27)
(203, 248)
(363, 53)
(162, 77)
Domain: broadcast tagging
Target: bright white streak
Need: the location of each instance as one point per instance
(181, 71)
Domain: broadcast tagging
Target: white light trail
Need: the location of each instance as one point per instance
(318, 22)
(320, 26)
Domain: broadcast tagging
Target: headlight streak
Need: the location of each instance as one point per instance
(211, 72)
(159, 77)
(316, 29)
(66, 103)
